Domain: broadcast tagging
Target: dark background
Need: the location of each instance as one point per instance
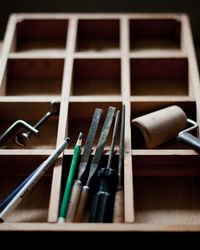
(191, 7)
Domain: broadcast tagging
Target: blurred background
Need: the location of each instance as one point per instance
(191, 7)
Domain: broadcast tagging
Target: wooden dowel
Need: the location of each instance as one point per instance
(82, 204)
(118, 211)
(73, 202)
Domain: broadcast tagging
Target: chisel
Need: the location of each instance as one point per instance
(118, 211)
(95, 162)
(77, 186)
(102, 205)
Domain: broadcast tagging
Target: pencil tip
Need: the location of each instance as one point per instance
(79, 141)
(80, 136)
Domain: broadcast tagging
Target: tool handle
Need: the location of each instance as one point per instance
(102, 205)
(69, 183)
(73, 202)
(82, 204)
(118, 211)
(190, 140)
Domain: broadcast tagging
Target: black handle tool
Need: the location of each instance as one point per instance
(102, 205)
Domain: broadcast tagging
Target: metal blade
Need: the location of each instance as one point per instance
(89, 142)
(121, 147)
(101, 143)
(113, 139)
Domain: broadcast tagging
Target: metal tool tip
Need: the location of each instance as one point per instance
(67, 139)
(80, 136)
(111, 107)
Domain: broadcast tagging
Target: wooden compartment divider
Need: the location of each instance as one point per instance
(88, 61)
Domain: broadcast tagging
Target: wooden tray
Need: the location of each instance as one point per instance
(84, 61)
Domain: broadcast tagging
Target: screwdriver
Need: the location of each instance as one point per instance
(102, 204)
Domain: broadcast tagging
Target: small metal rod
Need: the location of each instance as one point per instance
(195, 126)
(113, 139)
(54, 110)
(37, 125)
(14, 127)
(121, 146)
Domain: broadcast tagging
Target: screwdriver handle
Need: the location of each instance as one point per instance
(118, 211)
(82, 204)
(102, 205)
(73, 202)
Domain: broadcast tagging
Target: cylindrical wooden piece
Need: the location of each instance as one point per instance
(73, 203)
(160, 126)
(82, 204)
(118, 211)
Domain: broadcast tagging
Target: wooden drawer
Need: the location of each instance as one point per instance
(88, 61)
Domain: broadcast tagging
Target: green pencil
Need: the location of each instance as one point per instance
(70, 179)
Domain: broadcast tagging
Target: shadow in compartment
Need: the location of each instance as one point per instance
(40, 34)
(159, 76)
(31, 113)
(96, 77)
(29, 77)
(97, 35)
(14, 170)
(155, 34)
(167, 199)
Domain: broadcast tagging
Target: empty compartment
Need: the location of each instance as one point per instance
(159, 76)
(97, 35)
(40, 34)
(155, 34)
(14, 170)
(80, 117)
(165, 163)
(167, 200)
(96, 77)
(31, 113)
(33, 77)
(142, 108)
(94, 184)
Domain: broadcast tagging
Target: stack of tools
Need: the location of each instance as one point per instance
(109, 179)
